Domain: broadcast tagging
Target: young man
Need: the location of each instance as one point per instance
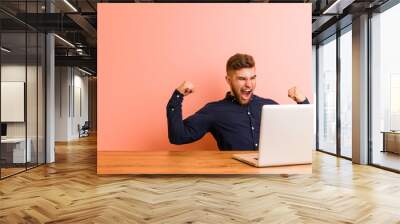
(233, 121)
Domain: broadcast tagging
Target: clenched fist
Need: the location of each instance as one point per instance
(296, 95)
(186, 88)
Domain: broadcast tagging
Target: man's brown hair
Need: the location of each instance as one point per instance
(239, 61)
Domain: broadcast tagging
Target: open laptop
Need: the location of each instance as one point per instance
(286, 136)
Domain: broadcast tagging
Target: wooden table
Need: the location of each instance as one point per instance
(184, 162)
(391, 141)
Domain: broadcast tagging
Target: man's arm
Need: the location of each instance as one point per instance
(304, 101)
(188, 130)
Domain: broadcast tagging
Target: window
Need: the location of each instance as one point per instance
(346, 92)
(385, 89)
(327, 95)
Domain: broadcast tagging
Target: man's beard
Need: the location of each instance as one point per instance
(238, 98)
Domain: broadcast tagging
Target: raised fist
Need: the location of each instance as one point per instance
(295, 94)
(186, 88)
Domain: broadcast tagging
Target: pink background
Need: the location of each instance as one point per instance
(146, 50)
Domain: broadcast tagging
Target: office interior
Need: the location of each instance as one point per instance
(48, 96)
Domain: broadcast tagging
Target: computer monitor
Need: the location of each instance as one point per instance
(3, 129)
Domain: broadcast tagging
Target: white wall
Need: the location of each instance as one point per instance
(62, 81)
(15, 72)
(71, 93)
(10, 73)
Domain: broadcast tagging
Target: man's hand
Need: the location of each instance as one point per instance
(186, 88)
(296, 95)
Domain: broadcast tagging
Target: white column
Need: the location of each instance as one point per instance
(50, 100)
(360, 90)
(50, 92)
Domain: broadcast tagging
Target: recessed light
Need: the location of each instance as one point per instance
(70, 5)
(5, 50)
(64, 40)
(84, 71)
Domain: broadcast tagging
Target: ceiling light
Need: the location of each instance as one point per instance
(84, 71)
(5, 50)
(64, 40)
(70, 5)
(337, 7)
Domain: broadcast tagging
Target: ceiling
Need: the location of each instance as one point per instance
(75, 21)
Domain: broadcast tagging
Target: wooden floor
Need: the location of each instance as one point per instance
(387, 159)
(69, 191)
(5, 172)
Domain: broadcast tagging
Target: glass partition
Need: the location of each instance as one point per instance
(14, 153)
(22, 77)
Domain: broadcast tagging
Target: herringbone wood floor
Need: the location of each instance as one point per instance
(69, 191)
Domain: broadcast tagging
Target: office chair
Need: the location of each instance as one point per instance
(84, 130)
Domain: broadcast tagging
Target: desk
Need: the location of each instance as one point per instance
(17, 151)
(184, 162)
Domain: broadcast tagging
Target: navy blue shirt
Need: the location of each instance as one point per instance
(234, 126)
